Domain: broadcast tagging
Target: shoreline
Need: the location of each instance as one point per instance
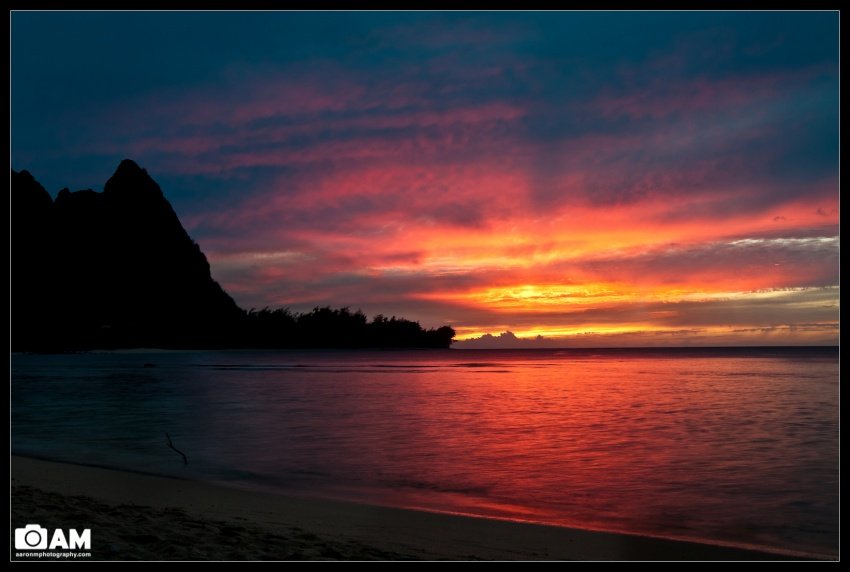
(138, 516)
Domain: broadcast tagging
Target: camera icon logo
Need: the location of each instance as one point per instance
(31, 537)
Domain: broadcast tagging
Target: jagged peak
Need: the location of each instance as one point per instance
(129, 167)
(25, 175)
(129, 177)
(23, 184)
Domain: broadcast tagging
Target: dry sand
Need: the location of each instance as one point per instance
(143, 517)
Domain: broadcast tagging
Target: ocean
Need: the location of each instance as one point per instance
(728, 446)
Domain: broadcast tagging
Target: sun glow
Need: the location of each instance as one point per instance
(579, 297)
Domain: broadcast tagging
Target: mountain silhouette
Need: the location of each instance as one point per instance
(117, 270)
(110, 269)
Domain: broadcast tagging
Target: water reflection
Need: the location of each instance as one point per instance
(733, 446)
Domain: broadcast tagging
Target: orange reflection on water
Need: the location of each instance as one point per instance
(697, 447)
(723, 445)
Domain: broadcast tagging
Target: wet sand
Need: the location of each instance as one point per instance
(142, 517)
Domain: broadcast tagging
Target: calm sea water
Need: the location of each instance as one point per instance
(729, 446)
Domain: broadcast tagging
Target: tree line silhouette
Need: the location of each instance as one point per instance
(338, 328)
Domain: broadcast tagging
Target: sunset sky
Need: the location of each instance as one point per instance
(595, 178)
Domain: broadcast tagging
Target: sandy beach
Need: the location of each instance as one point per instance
(142, 517)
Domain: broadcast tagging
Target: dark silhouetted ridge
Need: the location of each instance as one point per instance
(30, 195)
(117, 270)
(131, 181)
(111, 269)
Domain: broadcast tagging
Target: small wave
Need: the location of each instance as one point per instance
(406, 366)
(429, 486)
(258, 367)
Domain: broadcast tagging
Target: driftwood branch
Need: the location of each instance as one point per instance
(182, 454)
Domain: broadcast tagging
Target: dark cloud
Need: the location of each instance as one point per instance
(507, 340)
